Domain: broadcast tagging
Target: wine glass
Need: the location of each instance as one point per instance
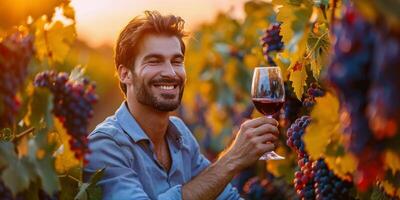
(268, 96)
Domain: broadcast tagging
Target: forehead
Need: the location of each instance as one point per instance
(160, 44)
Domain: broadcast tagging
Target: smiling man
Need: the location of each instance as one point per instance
(147, 154)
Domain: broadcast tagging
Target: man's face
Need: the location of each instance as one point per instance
(159, 74)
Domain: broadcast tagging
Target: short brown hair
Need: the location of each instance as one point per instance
(152, 23)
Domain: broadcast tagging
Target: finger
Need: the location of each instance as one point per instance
(266, 147)
(253, 123)
(265, 128)
(266, 138)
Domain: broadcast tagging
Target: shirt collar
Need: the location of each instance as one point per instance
(129, 124)
(133, 129)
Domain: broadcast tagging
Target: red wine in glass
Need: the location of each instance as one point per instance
(268, 106)
(268, 95)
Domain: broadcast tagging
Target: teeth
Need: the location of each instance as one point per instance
(167, 87)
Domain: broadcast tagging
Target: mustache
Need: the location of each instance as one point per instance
(166, 80)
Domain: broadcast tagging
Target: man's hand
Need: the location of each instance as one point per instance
(255, 137)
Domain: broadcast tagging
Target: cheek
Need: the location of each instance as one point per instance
(182, 74)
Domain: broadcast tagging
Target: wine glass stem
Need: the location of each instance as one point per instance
(271, 155)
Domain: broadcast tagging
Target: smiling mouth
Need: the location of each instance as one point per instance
(166, 87)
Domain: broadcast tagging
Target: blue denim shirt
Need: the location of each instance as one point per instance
(131, 168)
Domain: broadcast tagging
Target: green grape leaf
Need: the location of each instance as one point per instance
(40, 155)
(7, 153)
(15, 174)
(90, 189)
(318, 46)
(39, 109)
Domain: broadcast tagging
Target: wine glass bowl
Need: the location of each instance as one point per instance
(268, 96)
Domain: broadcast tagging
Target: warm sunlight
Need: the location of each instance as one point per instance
(99, 21)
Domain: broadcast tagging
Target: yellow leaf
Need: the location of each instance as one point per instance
(65, 158)
(392, 161)
(22, 146)
(324, 125)
(251, 61)
(53, 40)
(298, 79)
(68, 11)
(390, 189)
(342, 166)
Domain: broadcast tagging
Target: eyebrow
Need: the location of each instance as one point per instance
(159, 56)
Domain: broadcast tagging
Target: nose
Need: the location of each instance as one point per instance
(168, 70)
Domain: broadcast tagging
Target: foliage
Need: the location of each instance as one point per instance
(36, 158)
(33, 142)
(219, 66)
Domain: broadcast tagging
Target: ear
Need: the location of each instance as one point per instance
(124, 74)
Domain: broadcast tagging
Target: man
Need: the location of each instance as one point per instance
(146, 153)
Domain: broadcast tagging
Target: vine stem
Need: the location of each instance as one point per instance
(29, 130)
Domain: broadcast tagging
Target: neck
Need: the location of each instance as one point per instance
(153, 122)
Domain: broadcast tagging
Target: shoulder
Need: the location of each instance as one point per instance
(108, 129)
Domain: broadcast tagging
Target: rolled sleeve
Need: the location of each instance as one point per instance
(200, 162)
(174, 193)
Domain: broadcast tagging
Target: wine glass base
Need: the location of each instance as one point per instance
(271, 156)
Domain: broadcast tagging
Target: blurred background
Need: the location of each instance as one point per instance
(98, 23)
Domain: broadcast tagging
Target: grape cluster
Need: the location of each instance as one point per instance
(294, 134)
(16, 51)
(384, 107)
(304, 178)
(364, 70)
(348, 72)
(312, 92)
(303, 181)
(271, 41)
(73, 105)
(267, 188)
(313, 179)
(327, 185)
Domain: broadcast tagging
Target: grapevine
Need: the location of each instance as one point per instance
(73, 105)
(15, 53)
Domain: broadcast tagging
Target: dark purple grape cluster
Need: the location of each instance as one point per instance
(295, 133)
(304, 178)
(303, 181)
(312, 92)
(271, 41)
(16, 51)
(349, 73)
(73, 105)
(266, 188)
(383, 109)
(327, 185)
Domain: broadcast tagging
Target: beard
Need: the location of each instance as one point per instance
(166, 102)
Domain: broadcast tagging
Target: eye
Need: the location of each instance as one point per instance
(154, 61)
(177, 62)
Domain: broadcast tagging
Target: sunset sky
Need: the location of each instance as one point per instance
(99, 21)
